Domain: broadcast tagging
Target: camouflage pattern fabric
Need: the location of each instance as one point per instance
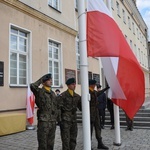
(46, 135)
(69, 105)
(94, 115)
(46, 114)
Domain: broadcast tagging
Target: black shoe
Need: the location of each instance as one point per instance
(112, 127)
(102, 127)
(127, 128)
(102, 146)
(131, 129)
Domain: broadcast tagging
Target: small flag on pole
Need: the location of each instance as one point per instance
(30, 106)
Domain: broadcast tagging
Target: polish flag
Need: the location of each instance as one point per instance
(121, 68)
(30, 106)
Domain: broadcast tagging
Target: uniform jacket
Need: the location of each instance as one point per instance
(94, 103)
(102, 101)
(68, 105)
(45, 101)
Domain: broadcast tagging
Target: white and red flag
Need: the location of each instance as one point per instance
(30, 106)
(121, 68)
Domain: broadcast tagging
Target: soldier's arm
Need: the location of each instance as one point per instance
(79, 104)
(35, 86)
(102, 91)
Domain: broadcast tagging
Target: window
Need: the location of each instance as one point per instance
(137, 31)
(135, 50)
(133, 27)
(77, 53)
(124, 16)
(54, 62)
(76, 4)
(54, 4)
(139, 55)
(142, 56)
(140, 36)
(18, 56)
(129, 23)
(126, 37)
(112, 4)
(131, 44)
(118, 9)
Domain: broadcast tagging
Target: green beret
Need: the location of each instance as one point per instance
(70, 81)
(99, 86)
(92, 82)
(46, 77)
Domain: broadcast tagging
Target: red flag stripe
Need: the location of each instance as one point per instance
(105, 39)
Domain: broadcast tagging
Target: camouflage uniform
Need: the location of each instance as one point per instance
(69, 105)
(94, 116)
(46, 114)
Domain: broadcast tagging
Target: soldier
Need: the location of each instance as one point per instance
(70, 101)
(110, 108)
(57, 92)
(94, 114)
(45, 100)
(101, 106)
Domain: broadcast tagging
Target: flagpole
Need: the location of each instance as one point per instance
(115, 107)
(84, 75)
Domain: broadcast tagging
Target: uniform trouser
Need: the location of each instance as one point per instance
(96, 125)
(102, 116)
(46, 135)
(68, 135)
(111, 111)
(129, 122)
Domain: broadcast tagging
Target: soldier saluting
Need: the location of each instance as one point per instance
(45, 100)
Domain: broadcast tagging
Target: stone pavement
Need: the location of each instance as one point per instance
(138, 139)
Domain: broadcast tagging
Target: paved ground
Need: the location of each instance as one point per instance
(138, 139)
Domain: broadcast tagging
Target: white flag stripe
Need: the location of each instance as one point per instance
(29, 99)
(98, 5)
(110, 65)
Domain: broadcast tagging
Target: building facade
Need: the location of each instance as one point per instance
(42, 36)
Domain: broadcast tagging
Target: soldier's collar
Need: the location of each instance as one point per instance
(47, 88)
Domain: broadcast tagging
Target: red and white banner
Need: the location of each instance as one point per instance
(121, 68)
(30, 106)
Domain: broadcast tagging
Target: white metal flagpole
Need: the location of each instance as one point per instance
(84, 75)
(116, 108)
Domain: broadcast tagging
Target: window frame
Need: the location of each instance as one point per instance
(18, 52)
(112, 4)
(57, 7)
(124, 16)
(77, 52)
(129, 22)
(55, 60)
(118, 8)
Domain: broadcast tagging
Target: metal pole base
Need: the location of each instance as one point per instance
(117, 144)
(30, 127)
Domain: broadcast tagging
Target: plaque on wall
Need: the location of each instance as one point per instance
(70, 74)
(90, 75)
(1, 73)
(96, 77)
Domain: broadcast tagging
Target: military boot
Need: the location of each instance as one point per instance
(101, 145)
